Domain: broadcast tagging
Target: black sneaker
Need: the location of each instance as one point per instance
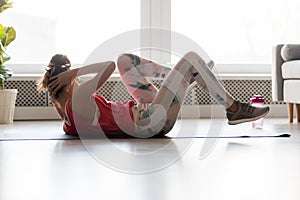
(246, 113)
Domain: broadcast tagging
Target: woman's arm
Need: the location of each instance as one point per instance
(102, 70)
(83, 104)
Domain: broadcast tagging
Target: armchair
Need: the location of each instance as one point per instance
(286, 77)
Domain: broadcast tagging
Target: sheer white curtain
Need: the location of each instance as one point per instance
(235, 31)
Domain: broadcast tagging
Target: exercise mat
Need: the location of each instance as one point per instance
(48, 130)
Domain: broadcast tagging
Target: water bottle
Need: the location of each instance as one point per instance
(257, 101)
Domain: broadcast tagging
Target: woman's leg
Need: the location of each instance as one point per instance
(167, 102)
(134, 70)
(164, 111)
(166, 105)
(207, 80)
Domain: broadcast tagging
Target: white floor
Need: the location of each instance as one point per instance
(142, 169)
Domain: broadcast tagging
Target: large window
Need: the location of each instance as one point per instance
(71, 27)
(238, 32)
(238, 35)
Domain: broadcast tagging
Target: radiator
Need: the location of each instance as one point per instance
(114, 90)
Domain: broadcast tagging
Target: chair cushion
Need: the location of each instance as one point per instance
(291, 91)
(291, 69)
(290, 52)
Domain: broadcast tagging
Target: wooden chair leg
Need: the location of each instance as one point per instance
(290, 111)
(298, 112)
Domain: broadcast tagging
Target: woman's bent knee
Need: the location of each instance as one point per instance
(193, 58)
(126, 59)
(122, 59)
(191, 55)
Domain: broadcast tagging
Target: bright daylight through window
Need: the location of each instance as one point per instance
(238, 32)
(71, 27)
(233, 32)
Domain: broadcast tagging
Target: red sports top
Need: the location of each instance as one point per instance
(115, 118)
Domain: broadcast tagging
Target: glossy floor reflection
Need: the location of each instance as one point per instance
(135, 169)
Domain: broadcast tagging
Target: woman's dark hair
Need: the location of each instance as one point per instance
(59, 63)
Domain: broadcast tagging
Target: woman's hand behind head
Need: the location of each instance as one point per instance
(58, 64)
(62, 81)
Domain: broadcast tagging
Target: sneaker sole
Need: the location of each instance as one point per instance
(235, 122)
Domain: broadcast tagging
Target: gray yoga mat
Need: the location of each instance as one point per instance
(61, 136)
(67, 137)
(53, 131)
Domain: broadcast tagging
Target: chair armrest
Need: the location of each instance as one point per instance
(277, 80)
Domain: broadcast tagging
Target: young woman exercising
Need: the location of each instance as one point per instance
(154, 111)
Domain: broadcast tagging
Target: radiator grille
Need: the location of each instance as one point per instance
(115, 91)
(242, 90)
(27, 93)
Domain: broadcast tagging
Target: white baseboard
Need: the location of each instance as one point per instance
(187, 112)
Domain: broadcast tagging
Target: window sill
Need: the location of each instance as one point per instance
(223, 76)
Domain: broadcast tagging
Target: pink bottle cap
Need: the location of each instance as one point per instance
(257, 99)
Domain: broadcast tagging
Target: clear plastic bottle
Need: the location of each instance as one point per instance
(257, 101)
